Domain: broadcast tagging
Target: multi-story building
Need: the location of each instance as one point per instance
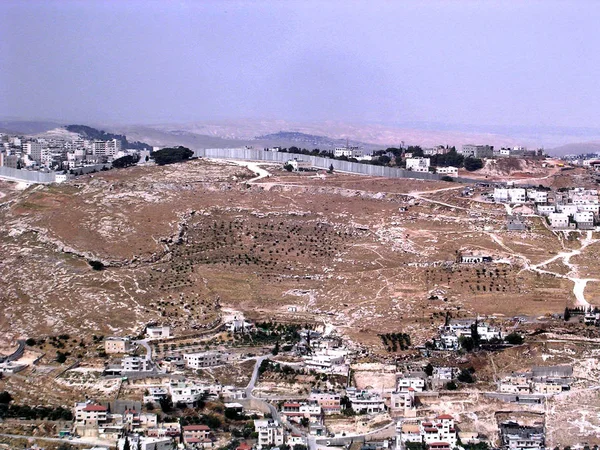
(512, 195)
(477, 151)
(155, 394)
(89, 414)
(559, 220)
(112, 147)
(11, 161)
(295, 412)
(537, 196)
(521, 437)
(439, 433)
(135, 364)
(403, 403)
(348, 151)
(418, 164)
(196, 435)
(545, 210)
(270, 433)
(584, 220)
(99, 148)
(328, 360)
(34, 150)
(203, 359)
(403, 384)
(187, 393)
(365, 401)
(329, 401)
(117, 345)
(437, 150)
(450, 171)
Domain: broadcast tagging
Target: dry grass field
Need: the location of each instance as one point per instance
(180, 242)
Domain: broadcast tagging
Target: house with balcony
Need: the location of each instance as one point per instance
(270, 433)
(196, 436)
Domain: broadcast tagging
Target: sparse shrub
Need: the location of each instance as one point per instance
(96, 265)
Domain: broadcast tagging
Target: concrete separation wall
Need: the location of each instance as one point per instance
(319, 163)
(28, 176)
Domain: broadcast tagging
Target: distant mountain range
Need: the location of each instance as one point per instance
(310, 141)
(326, 135)
(26, 127)
(93, 133)
(578, 148)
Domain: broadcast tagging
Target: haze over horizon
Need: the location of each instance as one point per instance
(464, 65)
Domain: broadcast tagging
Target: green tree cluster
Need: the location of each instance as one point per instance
(171, 155)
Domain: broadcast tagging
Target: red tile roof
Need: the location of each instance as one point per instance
(95, 408)
(445, 416)
(244, 446)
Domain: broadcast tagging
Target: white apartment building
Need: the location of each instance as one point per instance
(418, 164)
(581, 195)
(537, 196)
(558, 220)
(99, 148)
(450, 171)
(545, 210)
(146, 443)
(155, 394)
(135, 364)
(350, 152)
(414, 383)
(569, 209)
(158, 331)
(512, 195)
(365, 401)
(270, 433)
(584, 220)
(437, 150)
(112, 147)
(329, 360)
(187, 393)
(203, 359)
(591, 207)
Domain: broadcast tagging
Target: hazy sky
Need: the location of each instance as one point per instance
(454, 62)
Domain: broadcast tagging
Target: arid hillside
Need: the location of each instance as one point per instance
(178, 243)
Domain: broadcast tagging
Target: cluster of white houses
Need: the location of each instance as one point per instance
(141, 429)
(575, 208)
(437, 434)
(20, 152)
(450, 335)
(540, 380)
